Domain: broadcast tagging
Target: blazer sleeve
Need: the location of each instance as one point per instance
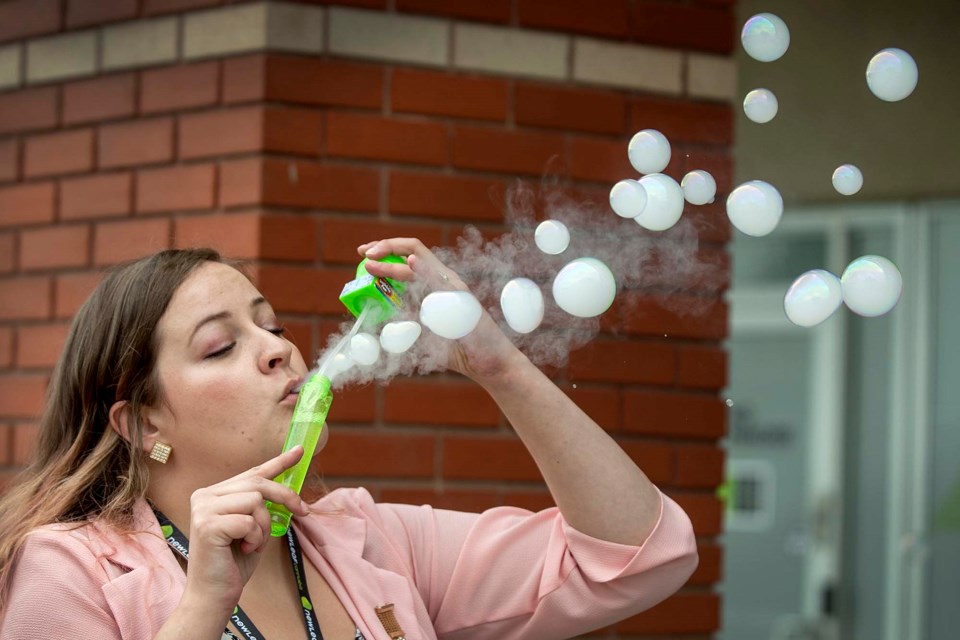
(508, 573)
(56, 591)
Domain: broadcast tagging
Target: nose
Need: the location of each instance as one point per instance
(275, 352)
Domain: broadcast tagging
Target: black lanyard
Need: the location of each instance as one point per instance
(178, 542)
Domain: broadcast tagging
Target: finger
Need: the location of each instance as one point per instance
(231, 528)
(241, 502)
(396, 246)
(274, 466)
(262, 516)
(390, 270)
(362, 249)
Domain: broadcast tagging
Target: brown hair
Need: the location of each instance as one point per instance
(82, 468)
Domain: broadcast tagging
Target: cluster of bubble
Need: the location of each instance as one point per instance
(871, 285)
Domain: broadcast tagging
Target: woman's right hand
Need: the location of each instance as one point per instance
(230, 528)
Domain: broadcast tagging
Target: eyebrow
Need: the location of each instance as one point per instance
(259, 300)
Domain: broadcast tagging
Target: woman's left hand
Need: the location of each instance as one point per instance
(483, 354)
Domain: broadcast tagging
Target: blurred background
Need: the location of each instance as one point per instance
(819, 466)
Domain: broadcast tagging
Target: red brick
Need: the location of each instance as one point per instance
(103, 98)
(323, 82)
(29, 109)
(620, 361)
(354, 135)
(25, 298)
(25, 204)
(702, 367)
(241, 182)
(58, 153)
(250, 235)
(6, 446)
(177, 188)
(377, 454)
(135, 143)
(284, 287)
(699, 466)
(600, 403)
(355, 404)
(681, 613)
(470, 501)
(609, 18)
(70, 290)
(97, 196)
(21, 395)
(81, 13)
(40, 345)
(656, 460)
(155, 7)
(244, 78)
(180, 87)
(6, 348)
(24, 443)
(683, 26)
(710, 569)
(341, 237)
(8, 252)
(600, 159)
(24, 18)
(445, 94)
(567, 108)
(439, 402)
(529, 500)
(490, 149)
(711, 222)
(249, 129)
(682, 121)
(705, 511)
(718, 164)
(9, 160)
(444, 196)
(320, 186)
(676, 415)
(116, 242)
(475, 458)
(480, 10)
(52, 247)
(678, 316)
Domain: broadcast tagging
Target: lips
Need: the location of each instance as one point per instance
(292, 386)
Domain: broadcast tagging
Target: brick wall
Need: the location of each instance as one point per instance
(287, 133)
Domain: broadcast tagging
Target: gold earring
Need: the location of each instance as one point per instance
(160, 452)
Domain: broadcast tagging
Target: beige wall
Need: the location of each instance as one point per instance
(906, 150)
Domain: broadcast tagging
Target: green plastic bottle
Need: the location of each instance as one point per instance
(309, 415)
(382, 295)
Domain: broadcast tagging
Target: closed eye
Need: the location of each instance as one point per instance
(221, 352)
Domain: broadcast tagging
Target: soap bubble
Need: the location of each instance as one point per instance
(552, 237)
(337, 365)
(847, 179)
(765, 37)
(584, 288)
(812, 298)
(755, 208)
(628, 198)
(871, 285)
(397, 337)
(664, 202)
(522, 304)
(649, 151)
(364, 349)
(699, 187)
(760, 105)
(450, 314)
(892, 74)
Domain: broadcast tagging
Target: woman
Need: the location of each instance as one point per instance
(169, 403)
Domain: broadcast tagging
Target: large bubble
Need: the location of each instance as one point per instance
(585, 288)
(397, 337)
(552, 236)
(760, 105)
(649, 151)
(847, 179)
(364, 349)
(628, 198)
(664, 202)
(892, 74)
(812, 298)
(765, 37)
(871, 285)
(755, 208)
(450, 314)
(699, 187)
(522, 303)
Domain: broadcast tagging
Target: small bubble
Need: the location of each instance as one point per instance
(574, 386)
(729, 402)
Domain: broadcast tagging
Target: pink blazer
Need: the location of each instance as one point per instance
(506, 573)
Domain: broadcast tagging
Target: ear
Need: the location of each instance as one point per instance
(121, 418)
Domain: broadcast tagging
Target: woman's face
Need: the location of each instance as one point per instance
(224, 371)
